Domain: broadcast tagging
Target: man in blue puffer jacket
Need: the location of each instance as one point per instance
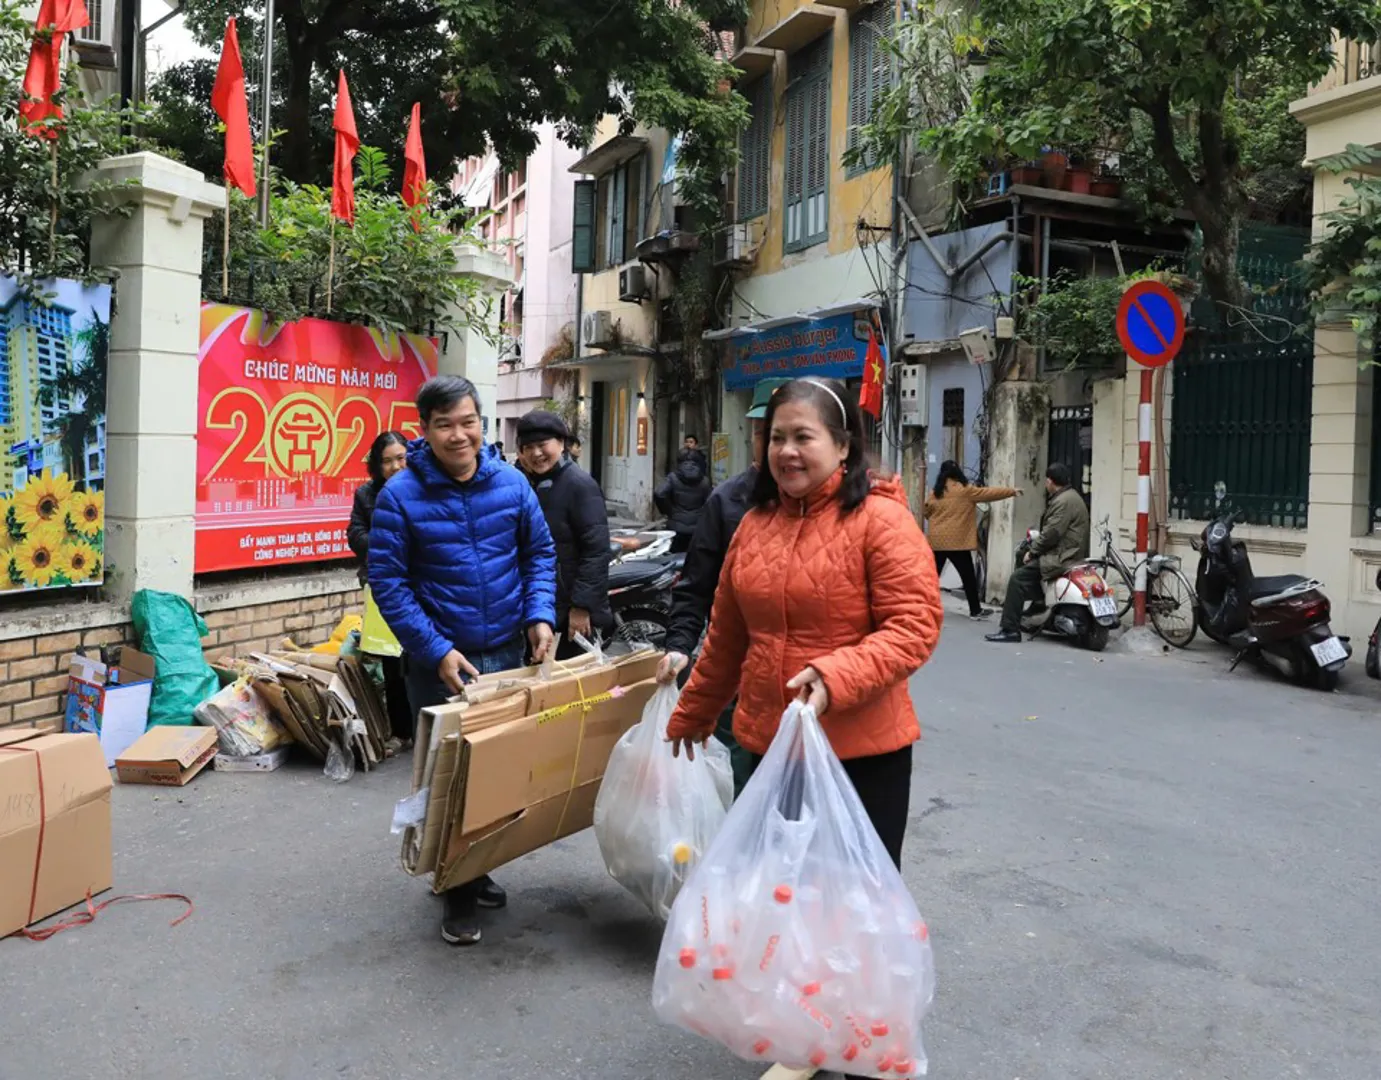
(463, 569)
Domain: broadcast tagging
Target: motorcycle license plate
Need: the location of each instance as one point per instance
(1328, 652)
(1102, 606)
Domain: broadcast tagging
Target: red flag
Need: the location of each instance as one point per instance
(347, 143)
(229, 100)
(874, 374)
(415, 167)
(43, 76)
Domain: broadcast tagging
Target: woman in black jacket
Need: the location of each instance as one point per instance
(387, 457)
(682, 495)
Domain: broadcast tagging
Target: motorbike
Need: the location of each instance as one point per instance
(1281, 620)
(1078, 605)
(1373, 661)
(630, 545)
(640, 596)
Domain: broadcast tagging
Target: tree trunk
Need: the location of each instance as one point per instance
(1222, 232)
(296, 159)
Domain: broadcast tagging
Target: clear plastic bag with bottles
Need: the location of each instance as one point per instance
(796, 941)
(656, 815)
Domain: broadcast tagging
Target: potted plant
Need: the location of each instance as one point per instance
(1054, 166)
(1079, 178)
(1106, 184)
(1028, 172)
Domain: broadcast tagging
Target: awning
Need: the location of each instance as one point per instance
(748, 329)
(606, 365)
(609, 154)
(829, 342)
(481, 186)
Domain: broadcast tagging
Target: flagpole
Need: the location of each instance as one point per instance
(331, 265)
(266, 132)
(225, 247)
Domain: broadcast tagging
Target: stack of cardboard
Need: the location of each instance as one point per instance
(323, 700)
(516, 763)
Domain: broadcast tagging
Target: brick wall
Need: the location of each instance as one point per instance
(33, 672)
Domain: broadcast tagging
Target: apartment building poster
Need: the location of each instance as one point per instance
(54, 353)
(287, 413)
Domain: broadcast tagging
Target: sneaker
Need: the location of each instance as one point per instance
(981, 613)
(1005, 637)
(488, 894)
(460, 923)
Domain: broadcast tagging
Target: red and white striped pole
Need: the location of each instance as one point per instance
(1143, 496)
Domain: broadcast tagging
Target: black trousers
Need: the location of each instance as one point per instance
(1023, 585)
(963, 562)
(883, 783)
(401, 718)
(681, 543)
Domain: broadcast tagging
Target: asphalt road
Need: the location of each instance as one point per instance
(1134, 867)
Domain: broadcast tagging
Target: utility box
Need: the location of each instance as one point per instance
(911, 393)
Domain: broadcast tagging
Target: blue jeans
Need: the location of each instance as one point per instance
(425, 688)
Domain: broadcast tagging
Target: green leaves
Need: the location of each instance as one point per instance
(1344, 265)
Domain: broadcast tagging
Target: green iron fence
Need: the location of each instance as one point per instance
(1243, 395)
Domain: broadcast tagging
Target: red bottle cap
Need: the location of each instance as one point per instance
(850, 1052)
(782, 894)
(818, 1058)
(811, 989)
(688, 958)
(904, 1067)
(884, 1063)
(922, 932)
(723, 974)
(762, 1046)
(880, 1030)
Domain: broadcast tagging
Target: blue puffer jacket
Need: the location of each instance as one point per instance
(460, 565)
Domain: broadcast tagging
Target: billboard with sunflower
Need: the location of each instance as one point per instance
(54, 354)
(287, 415)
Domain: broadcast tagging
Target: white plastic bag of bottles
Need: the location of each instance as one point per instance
(796, 940)
(656, 814)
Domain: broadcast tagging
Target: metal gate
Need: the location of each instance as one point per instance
(1071, 444)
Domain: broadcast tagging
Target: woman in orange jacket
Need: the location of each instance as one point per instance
(951, 512)
(829, 592)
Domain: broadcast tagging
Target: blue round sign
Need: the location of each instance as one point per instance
(1150, 323)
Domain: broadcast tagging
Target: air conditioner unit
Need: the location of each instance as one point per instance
(734, 245)
(633, 283)
(597, 330)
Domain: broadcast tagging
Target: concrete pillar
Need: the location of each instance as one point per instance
(1339, 459)
(155, 335)
(1020, 443)
(1108, 452)
(467, 352)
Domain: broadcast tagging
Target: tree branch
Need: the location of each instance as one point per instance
(1163, 131)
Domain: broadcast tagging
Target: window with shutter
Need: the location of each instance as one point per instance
(806, 200)
(616, 217)
(583, 231)
(755, 152)
(870, 68)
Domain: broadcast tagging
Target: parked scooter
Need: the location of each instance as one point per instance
(1078, 605)
(640, 596)
(1282, 620)
(1373, 662)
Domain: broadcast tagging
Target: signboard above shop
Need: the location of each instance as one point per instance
(832, 347)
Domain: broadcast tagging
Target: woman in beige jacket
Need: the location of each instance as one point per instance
(951, 514)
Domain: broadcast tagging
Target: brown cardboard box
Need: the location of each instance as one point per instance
(514, 770)
(54, 825)
(168, 756)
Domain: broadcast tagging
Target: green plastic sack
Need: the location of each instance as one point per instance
(170, 631)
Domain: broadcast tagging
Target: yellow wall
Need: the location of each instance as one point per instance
(867, 195)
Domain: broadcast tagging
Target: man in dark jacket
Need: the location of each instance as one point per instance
(693, 595)
(1063, 542)
(463, 570)
(682, 495)
(579, 524)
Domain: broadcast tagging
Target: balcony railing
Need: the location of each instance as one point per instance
(1353, 62)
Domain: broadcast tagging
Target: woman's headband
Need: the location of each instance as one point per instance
(843, 413)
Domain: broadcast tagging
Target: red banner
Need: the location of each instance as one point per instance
(287, 414)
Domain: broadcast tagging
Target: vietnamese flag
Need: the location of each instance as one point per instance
(231, 103)
(874, 375)
(415, 168)
(347, 144)
(43, 76)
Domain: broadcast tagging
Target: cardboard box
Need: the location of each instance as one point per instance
(265, 762)
(168, 756)
(110, 702)
(55, 844)
(508, 772)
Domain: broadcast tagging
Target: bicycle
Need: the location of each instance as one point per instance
(1170, 602)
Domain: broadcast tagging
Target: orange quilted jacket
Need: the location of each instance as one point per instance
(855, 596)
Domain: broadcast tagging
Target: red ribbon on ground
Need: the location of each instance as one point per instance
(81, 918)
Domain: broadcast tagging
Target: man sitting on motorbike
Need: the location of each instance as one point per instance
(1063, 542)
